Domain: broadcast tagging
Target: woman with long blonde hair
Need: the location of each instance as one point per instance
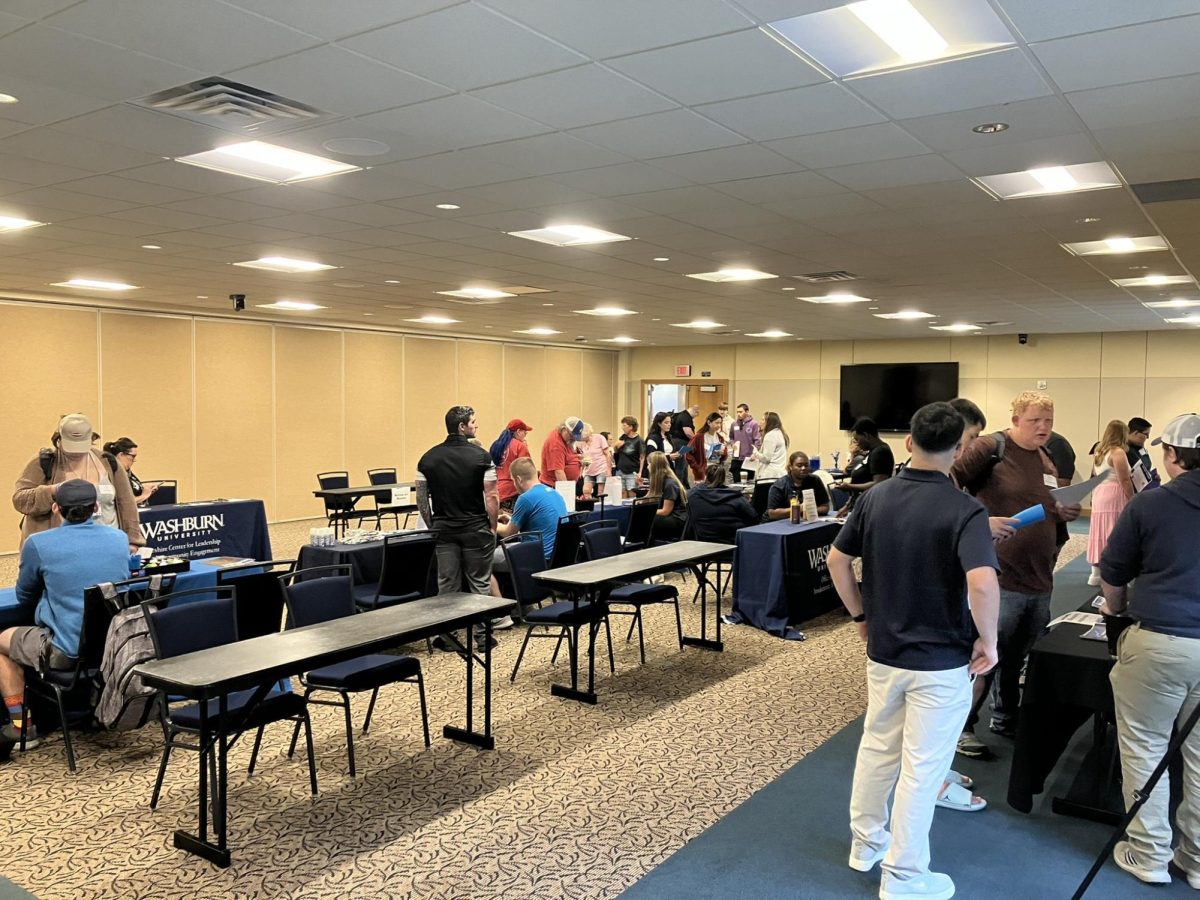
(673, 498)
(1109, 499)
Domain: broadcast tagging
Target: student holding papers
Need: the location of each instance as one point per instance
(1110, 497)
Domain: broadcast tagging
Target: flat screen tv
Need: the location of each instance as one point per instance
(890, 393)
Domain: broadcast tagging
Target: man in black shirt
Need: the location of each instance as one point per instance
(926, 550)
(876, 468)
(798, 480)
(683, 429)
(1140, 466)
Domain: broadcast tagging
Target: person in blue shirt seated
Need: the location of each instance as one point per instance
(55, 568)
(538, 509)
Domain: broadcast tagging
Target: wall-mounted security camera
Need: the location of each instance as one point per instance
(238, 301)
(1022, 338)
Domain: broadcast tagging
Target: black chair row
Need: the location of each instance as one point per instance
(340, 511)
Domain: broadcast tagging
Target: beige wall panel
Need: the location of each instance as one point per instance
(41, 388)
(971, 354)
(376, 423)
(797, 402)
(1045, 356)
(430, 388)
(563, 386)
(1121, 398)
(767, 361)
(1169, 353)
(830, 436)
(1123, 355)
(599, 391)
(1167, 398)
(911, 350)
(834, 355)
(658, 363)
(235, 441)
(310, 424)
(525, 393)
(480, 386)
(976, 389)
(147, 387)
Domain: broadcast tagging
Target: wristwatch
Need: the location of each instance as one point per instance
(861, 617)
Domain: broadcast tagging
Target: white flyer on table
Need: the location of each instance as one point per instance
(1074, 493)
(567, 490)
(1078, 618)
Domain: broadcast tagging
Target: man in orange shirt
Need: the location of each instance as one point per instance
(560, 459)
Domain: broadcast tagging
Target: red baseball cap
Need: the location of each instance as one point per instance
(517, 425)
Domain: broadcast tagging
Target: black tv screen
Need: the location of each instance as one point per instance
(890, 393)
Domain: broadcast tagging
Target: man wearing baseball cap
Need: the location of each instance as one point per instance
(505, 450)
(1156, 681)
(560, 458)
(56, 566)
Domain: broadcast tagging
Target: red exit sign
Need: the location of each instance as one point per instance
(683, 371)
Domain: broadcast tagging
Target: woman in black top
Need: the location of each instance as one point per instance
(799, 478)
(660, 438)
(878, 466)
(126, 451)
(672, 504)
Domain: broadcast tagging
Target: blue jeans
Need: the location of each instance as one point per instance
(1023, 618)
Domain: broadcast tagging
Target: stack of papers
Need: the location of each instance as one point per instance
(1078, 618)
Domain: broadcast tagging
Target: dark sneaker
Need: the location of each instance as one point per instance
(11, 733)
(1004, 729)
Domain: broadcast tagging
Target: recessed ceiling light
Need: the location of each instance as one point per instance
(607, 311)
(448, 206)
(434, 320)
(656, 320)
(1087, 220)
(284, 264)
(837, 298)
(1173, 303)
(202, 296)
(11, 223)
(662, 259)
(619, 339)
(8, 98)
(547, 304)
(770, 333)
(477, 293)
(1046, 180)
(726, 275)
(267, 162)
(93, 285)
(151, 247)
(1185, 320)
(787, 289)
(569, 235)
(541, 332)
(368, 314)
(990, 128)
(906, 315)
(962, 327)
(294, 305)
(391, 281)
(1117, 245)
(698, 323)
(348, 284)
(1153, 280)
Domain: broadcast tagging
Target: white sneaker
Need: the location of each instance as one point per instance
(1094, 578)
(930, 886)
(1193, 876)
(863, 856)
(502, 623)
(1124, 857)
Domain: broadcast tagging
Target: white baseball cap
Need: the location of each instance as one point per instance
(1182, 431)
(75, 433)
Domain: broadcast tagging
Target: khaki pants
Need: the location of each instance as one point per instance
(1156, 684)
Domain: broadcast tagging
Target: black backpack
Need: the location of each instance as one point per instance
(46, 461)
(997, 454)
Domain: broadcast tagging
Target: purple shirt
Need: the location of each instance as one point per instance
(745, 436)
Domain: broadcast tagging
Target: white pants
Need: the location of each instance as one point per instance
(909, 737)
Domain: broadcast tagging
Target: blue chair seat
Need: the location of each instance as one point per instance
(364, 597)
(364, 673)
(639, 594)
(272, 708)
(564, 612)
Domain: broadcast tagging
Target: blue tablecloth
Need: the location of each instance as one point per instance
(618, 513)
(212, 528)
(780, 576)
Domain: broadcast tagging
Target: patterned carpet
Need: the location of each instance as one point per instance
(575, 802)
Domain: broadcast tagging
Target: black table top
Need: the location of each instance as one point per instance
(246, 664)
(636, 564)
(358, 491)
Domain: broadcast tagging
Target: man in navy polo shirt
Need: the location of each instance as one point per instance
(929, 569)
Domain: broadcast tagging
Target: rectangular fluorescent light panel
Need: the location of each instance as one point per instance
(874, 36)
(699, 323)
(838, 298)
(540, 332)
(92, 284)
(772, 333)
(722, 276)
(434, 320)
(620, 339)
(1115, 245)
(1185, 320)
(1173, 303)
(477, 293)
(284, 264)
(267, 162)
(569, 235)
(11, 223)
(294, 305)
(1154, 281)
(906, 314)
(1047, 180)
(610, 311)
(957, 327)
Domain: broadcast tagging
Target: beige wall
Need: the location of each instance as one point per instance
(1092, 377)
(247, 409)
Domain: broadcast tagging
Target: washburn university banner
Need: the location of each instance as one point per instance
(200, 530)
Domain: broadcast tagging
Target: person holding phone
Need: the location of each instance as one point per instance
(126, 452)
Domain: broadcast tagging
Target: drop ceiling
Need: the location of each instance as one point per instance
(679, 123)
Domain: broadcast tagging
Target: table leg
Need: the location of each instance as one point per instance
(469, 735)
(573, 692)
(218, 853)
(703, 642)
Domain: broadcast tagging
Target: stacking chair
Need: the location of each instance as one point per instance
(339, 510)
(642, 513)
(409, 572)
(762, 491)
(322, 594)
(566, 540)
(561, 619)
(383, 500)
(600, 543)
(259, 595)
(177, 628)
(167, 493)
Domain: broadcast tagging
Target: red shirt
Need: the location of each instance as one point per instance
(558, 454)
(504, 483)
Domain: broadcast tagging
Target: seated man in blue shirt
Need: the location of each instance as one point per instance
(538, 508)
(56, 566)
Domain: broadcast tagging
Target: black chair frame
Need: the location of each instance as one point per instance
(639, 534)
(263, 615)
(340, 510)
(383, 499)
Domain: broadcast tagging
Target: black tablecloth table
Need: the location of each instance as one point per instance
(206, 529)
(365, 560)
(780, 576)
(258, 663)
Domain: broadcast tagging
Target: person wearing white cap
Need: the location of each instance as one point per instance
(560, 457)
(73, 456)
(1156, 681)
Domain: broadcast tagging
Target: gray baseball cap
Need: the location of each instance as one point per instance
(1182, 431)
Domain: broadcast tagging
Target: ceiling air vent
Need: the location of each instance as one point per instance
(1167, 191)
(826, 277)
(232, 106)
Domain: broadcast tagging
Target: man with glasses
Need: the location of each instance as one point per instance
(1140, 466)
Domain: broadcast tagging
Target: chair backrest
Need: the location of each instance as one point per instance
(566, 539)
(166, 495)
(601, 543)
(184, 627)
(381, 476)
(331, 481)
(408, 561)
(762, 490)
(260, 596)
(641, 523)
(525, 559)
(311, 598)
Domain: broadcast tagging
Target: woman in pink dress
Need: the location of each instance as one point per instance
(1109, 499)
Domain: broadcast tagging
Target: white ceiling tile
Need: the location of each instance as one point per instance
(1039, 21)
(545, 154)
(715, 68)
(1000, 77)
(394, 147)
(189, 178)
(623, 26)
(36, 9)
(464, 47)
(199, 34)
(1136, 104)
(660, 134)
(869, 143)
(571, 98)
(1134, 53)
(335, 80)
(150, 132)
(528, 193)
(258, 233)
(626, 178)
(1028, 120)
(307, 223)
(774, 10)
(95, 157)
(36, 172)
(224, 208)
(10, 23)
(780, 188)
(1180, 135)
(69, 201)
(289, 196)
(894, 173)
(452, 123)
(727, 164)
(374, 214)
(164, 217)
(374, 184)
(680, 200)
(1057, 151)
(807, 110)
(334, 20)
(452, 171)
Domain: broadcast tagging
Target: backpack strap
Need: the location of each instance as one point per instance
(46, 461)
